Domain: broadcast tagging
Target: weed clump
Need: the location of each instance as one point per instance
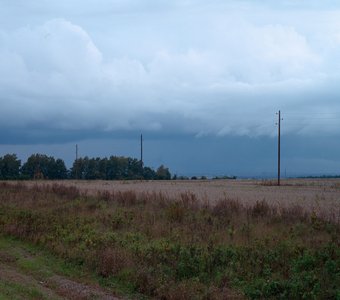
(112, 261)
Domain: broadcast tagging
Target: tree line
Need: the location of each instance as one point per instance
(41, 166)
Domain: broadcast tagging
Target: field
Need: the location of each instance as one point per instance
(319, 195)
(214, 239)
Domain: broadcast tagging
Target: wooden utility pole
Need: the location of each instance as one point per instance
(141, 150)
(76, 151)
(279, 150)
(76, 163)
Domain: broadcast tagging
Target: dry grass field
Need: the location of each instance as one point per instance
(213, 239)
(319, 195)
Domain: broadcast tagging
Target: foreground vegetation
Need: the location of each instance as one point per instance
(29, 272)
(180, 248)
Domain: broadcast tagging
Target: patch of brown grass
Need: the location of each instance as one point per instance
(111, 261)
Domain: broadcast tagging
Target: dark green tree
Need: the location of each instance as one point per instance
(115, 168)
(41, 166)
(149, 174)
(9, 167)
(77, 169)
(163, 173)
(59, 170)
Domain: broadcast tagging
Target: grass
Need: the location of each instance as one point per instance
(33, 265)
(34, 260)
(14, 291)
(179, 248)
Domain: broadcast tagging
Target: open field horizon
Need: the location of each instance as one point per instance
(319, 195)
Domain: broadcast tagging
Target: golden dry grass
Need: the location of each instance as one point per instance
(319, 195)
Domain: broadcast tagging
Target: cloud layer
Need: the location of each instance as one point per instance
(199, 69)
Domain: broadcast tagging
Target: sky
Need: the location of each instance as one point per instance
(202, 80)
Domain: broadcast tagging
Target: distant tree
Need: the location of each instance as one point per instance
(77, 169)
(149, 174)
(103, 168)
(80, 168)
(9, 167)
(59, 170)
(92, 168)
(163, 173)
(40, 166)
(135, 170)
(36, 166)
(115, 168)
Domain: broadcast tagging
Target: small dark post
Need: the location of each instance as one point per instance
(279, 150)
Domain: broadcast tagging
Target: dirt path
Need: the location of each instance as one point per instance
(24, 284)
(75, 290)
(17, 282)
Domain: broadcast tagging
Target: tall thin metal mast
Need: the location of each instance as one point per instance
(141, 150)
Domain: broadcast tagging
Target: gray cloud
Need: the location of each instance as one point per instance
(187, 68)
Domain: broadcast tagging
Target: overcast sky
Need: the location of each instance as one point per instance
(203, 77)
